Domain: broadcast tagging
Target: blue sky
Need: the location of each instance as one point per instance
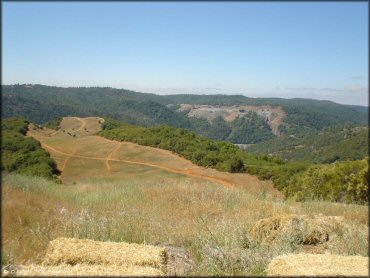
(291, 49)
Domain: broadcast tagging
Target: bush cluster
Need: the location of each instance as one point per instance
(23, 154)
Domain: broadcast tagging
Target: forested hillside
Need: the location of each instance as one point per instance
(338, 142)
(304, 119)
(41, 104)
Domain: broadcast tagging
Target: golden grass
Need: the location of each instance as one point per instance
(209, 220)
(85, 270)
(301, 229)
(84, 251)
(318, 265)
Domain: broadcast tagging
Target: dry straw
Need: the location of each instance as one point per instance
(318, 265)
(301, 229)
(84, 257)
(84, 251)
(86, 270)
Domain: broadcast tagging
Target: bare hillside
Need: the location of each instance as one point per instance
(274, 116)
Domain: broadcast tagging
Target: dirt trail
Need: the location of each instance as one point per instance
(66, 161)
(166, 152)
(83, 123)
(110, 156)
(172, 170)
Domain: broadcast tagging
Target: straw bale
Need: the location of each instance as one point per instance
(87, 270)
(301, 229)
(84, 251)
(318, 265)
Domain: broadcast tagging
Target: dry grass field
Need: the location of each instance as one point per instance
(122, 192)
(80, 154)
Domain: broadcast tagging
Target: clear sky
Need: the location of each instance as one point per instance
(283, 49)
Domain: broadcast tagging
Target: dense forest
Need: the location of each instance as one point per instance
(292, 178)
(42, 104)
(23, 154)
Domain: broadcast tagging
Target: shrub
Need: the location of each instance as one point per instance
(23, 154)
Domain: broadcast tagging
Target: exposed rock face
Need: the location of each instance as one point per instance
(274, 116)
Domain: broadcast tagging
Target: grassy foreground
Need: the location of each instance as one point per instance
(210, 221)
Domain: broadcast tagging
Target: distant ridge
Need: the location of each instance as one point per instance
(41, 104)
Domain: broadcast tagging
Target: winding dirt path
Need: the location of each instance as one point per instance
(222, 181)
(83, 123)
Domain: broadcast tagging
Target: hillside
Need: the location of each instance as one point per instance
(348, 183)
(41, 104)
(249, 120)
(80, 154)
(340, 142)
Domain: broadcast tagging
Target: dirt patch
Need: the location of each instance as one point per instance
(318, 265)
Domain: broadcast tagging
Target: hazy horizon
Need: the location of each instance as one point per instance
(164, 94)
(286, 50)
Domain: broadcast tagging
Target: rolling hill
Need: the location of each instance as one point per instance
(81, 155)
(234, 118)
(150, 109)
